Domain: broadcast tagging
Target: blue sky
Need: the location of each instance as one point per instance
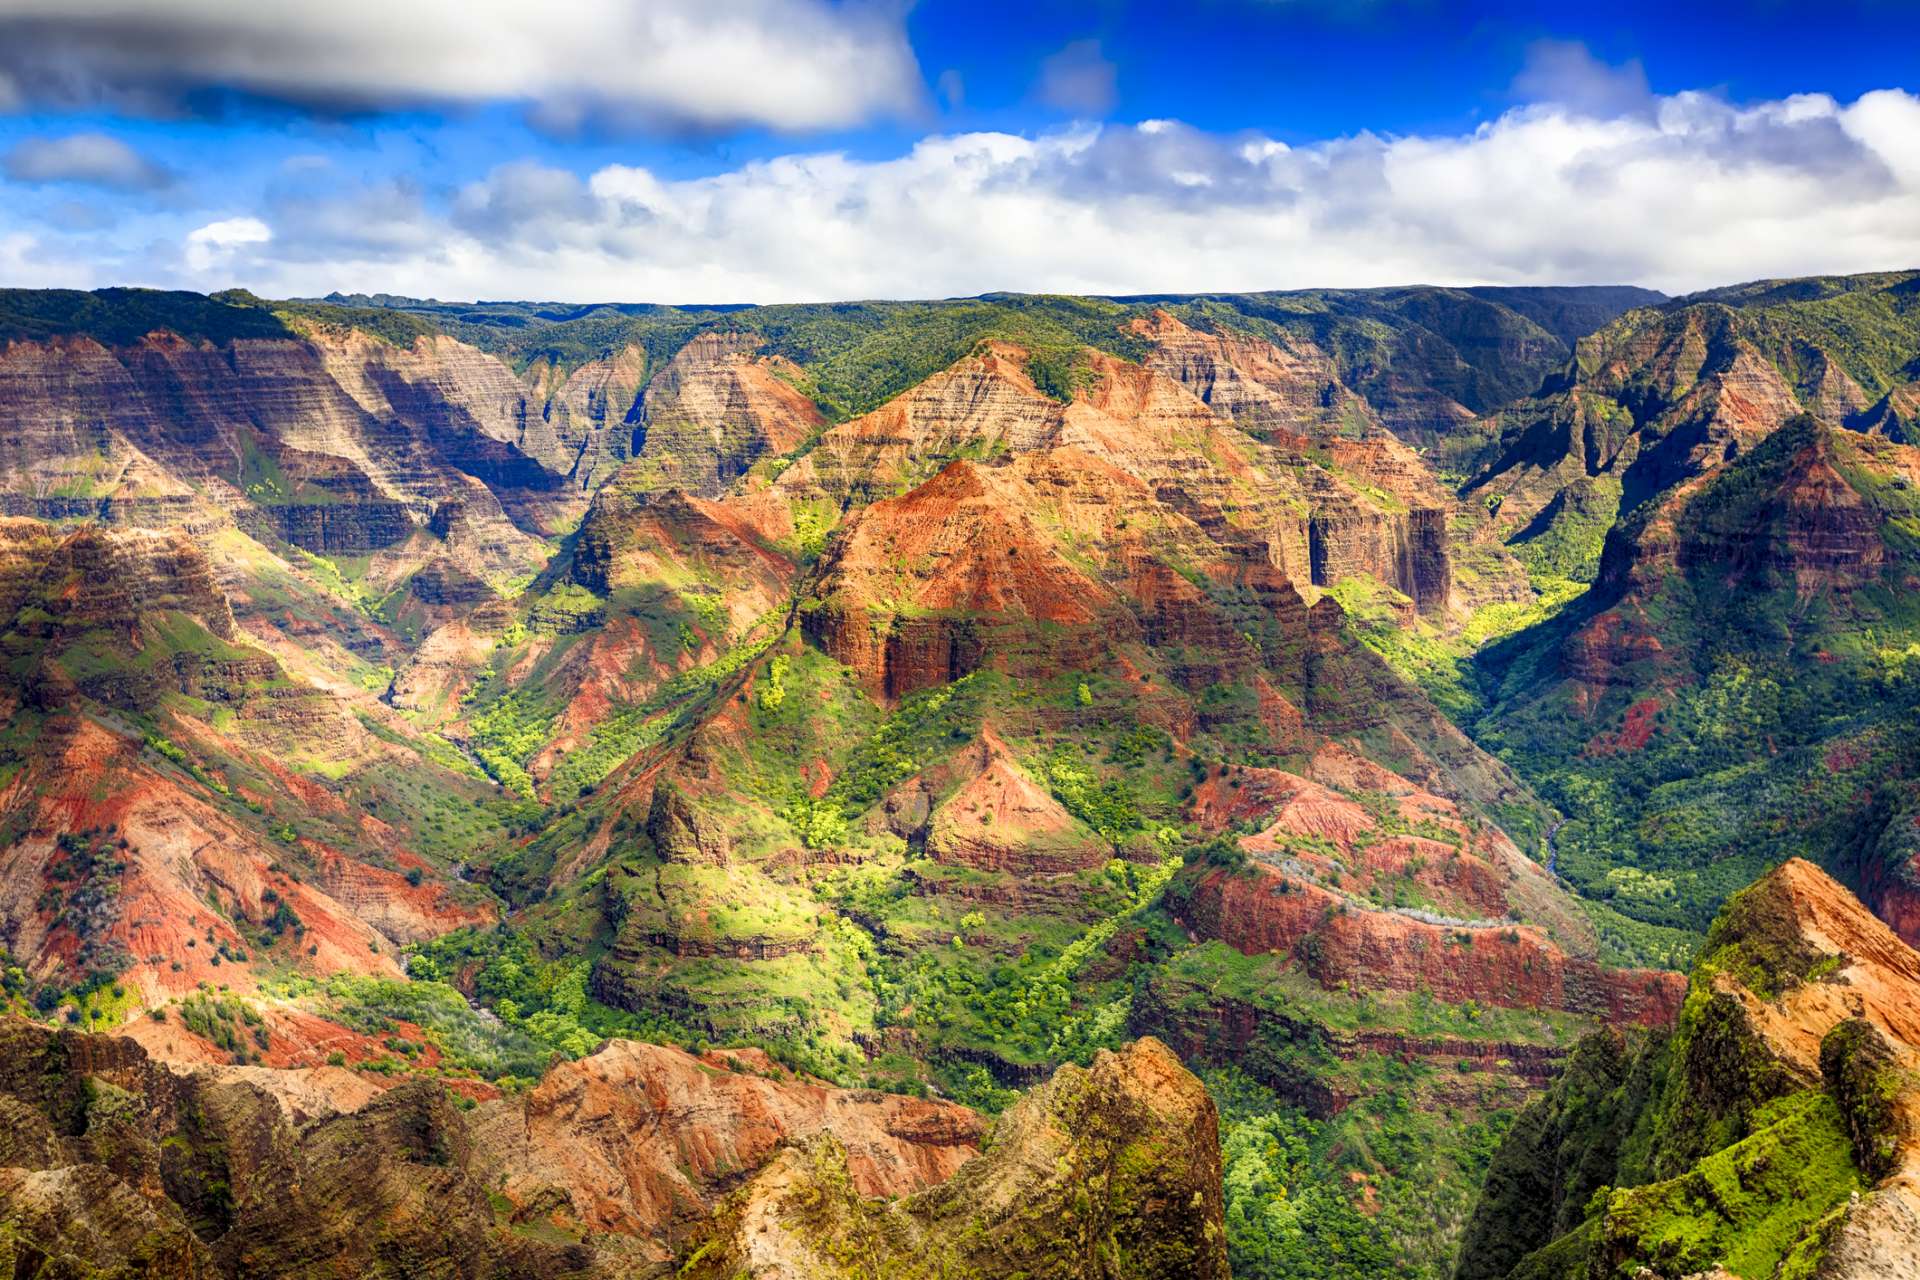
(676, 150)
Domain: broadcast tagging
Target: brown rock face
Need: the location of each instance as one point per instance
(680, 833)
(1121, 1160)
(643, 1141)
(99, 577)
(635, 538)
(1815, 529)
(1261, 386)
(1332, 848)
(978, 574)
(1410, 554)
(1795, 918)
(133, 1171)
(1511, 965)
(1002, 820)
(984, 405)
(1783, 518)
(339, 444)
(592, 411)
(1662, 397)
(1292, 397)
(713, 409)
(113, 1161)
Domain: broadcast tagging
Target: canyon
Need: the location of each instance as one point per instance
(794, 790)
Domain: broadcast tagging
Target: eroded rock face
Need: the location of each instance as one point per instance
(133, 890)
(643, 1141)
(983, 579)
(113, 1161)
(1321, 860)
(1492, 963)
(340, 443)
(1812, 530)
(1654, 399)
(712, 410)
(985, 404)
(132, 1170)
(1000, 819)
(1263, 386)
(1791, 1075)
(680, 833)
(1117, 1161)
(592, 410)
(1322, 495)
(101, 577)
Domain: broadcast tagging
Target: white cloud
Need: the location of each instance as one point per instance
(1690, 193)
(28, 260)
(91, 159)
(673, 64)
(1079, 80)
(1565, 73)
(212, 247)
(16, 252)
(953, 89)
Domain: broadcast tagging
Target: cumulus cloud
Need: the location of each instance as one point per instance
(953, 89)
(1079, 80)
(1565, 73)
(1692, 192)
(91, 159)
(525, 203)
(665, 64)
(214, 246)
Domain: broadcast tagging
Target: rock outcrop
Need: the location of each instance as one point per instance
(643, 1141)
(115, 1162)
(1779, 1127)
(1105, 1171)
(712, 410)
(117, 1166)
(1000, 819)
(1323, 871)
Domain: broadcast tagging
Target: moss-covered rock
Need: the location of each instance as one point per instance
(1865, 1079)
(1744, 1208)
(1102, 1173)
(1734, 1147)
(1561, 1151)
(119, 1168)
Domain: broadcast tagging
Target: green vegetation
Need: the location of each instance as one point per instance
(544, 1002)
(507, 733)
(925, 727)
(616, 737)
(1563, 544)
(1367, 1193)
(1285, 1217)
(1697, 1149)
(121, 317)
(1105, 804)
(228, 1022)
(1746, 1207)
(1025, 1009)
